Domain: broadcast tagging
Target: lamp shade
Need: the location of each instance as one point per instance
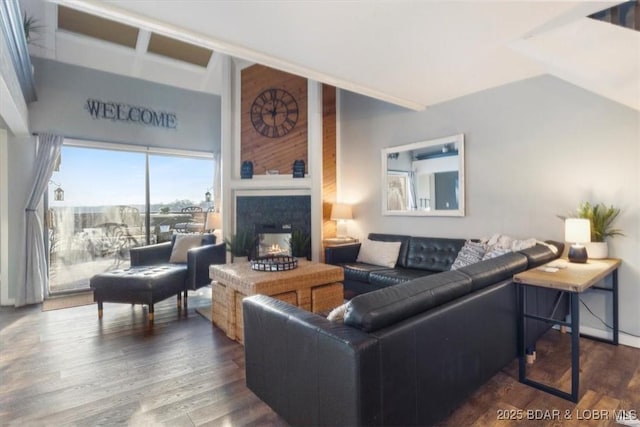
(213, 221)
(341, 211)
(577, 230)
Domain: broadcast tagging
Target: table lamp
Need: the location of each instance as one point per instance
(577, 231)
(213, 221)
(341, 212)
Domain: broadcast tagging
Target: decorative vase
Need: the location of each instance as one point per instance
(246, 170)
(597, 250)
(298, 169)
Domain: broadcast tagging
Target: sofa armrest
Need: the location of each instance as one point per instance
(198, 261)
(341, 254)
(309, 370)
(151, 254)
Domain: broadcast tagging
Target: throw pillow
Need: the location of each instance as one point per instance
(374, 252)
(470, 253)
(495, 252)
(183, 243)
(337, 314)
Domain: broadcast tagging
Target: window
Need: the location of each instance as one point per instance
(104, 211)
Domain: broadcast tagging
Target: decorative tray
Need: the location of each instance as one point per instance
(274, 263)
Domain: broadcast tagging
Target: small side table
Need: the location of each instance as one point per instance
(573, 279)
(335, 241)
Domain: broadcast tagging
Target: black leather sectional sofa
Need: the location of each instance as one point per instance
(406, 354)
(418, 257)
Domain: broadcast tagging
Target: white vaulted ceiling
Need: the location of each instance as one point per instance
(410, 53)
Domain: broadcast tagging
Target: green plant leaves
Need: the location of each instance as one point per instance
(241, 243)
(299, 243)
(602, 218)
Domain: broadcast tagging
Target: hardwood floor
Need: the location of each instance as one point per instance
(65, 367)
(609, 383)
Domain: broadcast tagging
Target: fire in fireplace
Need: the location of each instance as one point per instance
(273, 239)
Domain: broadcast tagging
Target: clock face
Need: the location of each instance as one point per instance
(274, 113)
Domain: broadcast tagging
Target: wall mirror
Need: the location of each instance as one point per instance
(424, 178)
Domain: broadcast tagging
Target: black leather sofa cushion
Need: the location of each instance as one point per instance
(384, 307)
(430, 253)
(490, 271)
(541, 254)
(397, 275)
(360, 271)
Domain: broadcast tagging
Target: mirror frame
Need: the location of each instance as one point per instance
(459, 141)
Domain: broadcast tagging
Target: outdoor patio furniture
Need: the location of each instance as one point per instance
(195, 224)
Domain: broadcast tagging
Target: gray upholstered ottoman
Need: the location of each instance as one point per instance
(140, 285)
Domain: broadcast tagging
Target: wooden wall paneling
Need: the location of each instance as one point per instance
(272, 153)
(329, 169)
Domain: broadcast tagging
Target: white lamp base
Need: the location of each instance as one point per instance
(341, 228)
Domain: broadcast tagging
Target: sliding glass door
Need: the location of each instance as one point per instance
(97, 208)
(177, 188)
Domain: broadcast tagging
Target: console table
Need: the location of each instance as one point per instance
(573, 279)
(312, 286)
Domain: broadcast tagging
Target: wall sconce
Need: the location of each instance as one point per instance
(341, 212)
(207, 195)
(577, 231)
(58, 193)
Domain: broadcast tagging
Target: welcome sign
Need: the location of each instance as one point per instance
(119, 112)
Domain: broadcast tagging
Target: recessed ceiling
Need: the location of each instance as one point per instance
(97, 27)
(176, 49)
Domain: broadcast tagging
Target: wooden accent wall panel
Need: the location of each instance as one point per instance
(329, 172)
(272, 153)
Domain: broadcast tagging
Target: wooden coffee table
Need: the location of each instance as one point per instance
(311, 286)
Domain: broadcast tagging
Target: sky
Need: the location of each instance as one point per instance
(95, 177)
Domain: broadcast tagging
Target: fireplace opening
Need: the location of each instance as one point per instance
(273, 239)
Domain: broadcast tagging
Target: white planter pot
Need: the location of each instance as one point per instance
(597, 250)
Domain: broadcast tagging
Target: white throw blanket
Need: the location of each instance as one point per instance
(503, 241)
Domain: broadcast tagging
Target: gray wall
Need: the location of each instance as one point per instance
(533, 150)
(63, 90)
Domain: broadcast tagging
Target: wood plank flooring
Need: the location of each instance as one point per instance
(65, 367)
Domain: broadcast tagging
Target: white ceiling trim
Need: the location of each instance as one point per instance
(594, 55)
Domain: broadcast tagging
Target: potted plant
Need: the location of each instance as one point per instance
(240, 245)
(31, 27)
(602, 218)
(299, 243)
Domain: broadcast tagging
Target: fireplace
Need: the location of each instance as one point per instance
(272, 219)
(273, 239)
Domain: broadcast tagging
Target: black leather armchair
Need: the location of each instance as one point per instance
(198, 259)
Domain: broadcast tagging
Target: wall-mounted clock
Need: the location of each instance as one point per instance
(274, 113)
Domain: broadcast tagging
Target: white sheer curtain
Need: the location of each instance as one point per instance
(32, 290)
(217, 191)
(217, 181)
